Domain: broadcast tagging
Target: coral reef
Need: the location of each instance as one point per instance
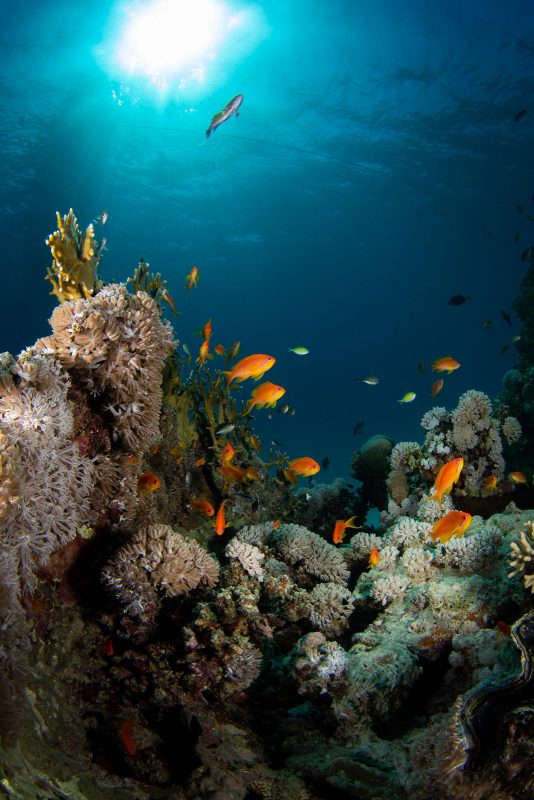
(473, 430)
(144, 656)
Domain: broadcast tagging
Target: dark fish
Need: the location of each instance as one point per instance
(326, 463)
(227, 427)
(487, 323)
(517, 237)
(358, 428)
(229, 110)
(244, 496)
(421, 366)
(458, 299)
(520, 208)
(506, 317)
(276, 443)
(505, 348)
(255, 505)
(528, 254)
(291, 412)
(284, 409)
(520, 114)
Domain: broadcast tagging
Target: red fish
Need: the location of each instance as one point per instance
(228, 111)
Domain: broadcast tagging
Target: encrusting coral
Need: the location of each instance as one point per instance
(117, 344)
(158, 562)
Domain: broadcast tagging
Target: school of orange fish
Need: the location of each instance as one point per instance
(266, 395)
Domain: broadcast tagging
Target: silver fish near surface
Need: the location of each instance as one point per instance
(228, 111)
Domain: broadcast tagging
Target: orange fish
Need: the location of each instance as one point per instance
(132, 459)
(490, 483)
(266, 394)
(304, 466)
(276, 524)
(340, 529)
(518, 477)
(231, 473)
(437, 386)
(445, 364)
(455, 523)
(200, 462)
(219, 349)
(374, 557)
(204, 353)
(207, 330)
(148, 483)
(250, 367)
(203, 506)
(191, 279)
(154, 449)
(446, 478)
(220, 520)
(227, 454)
(252, 474)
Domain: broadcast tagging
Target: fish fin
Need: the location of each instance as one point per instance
(237, 113)
(229, 376)
(208, 132)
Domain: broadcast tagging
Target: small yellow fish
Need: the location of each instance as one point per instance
(299, 351)
(490, 483)
(408, 397)
(191, 279)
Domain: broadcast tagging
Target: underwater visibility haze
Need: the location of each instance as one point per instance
(266, 472)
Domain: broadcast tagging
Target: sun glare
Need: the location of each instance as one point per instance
(176, 44)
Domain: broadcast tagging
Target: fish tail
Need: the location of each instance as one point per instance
(250, 406)
(208, 133)
(350, 523)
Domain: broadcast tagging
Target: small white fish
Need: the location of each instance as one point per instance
(299, 351)
(229, 110)
(371, 380)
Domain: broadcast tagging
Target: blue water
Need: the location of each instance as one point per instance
(375, 170)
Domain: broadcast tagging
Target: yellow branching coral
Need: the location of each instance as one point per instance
(151, 283)
(73, 273)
